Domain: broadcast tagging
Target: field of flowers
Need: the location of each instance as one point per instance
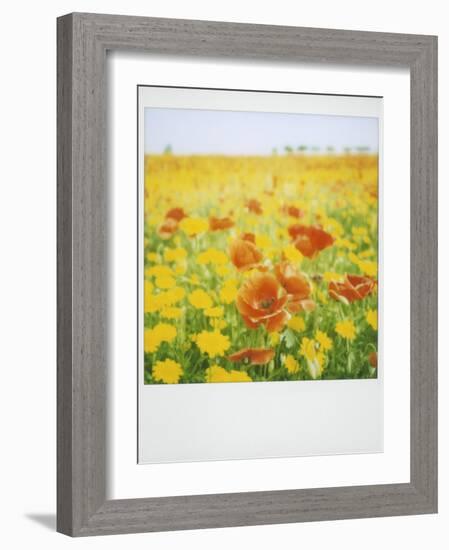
(260, 268)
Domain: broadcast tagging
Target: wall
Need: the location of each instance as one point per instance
(27, 299)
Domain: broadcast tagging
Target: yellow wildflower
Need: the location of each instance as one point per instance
(315, 359)
(167, 371)
(195, 280)
(152, 257)
(193, 226)
(228, 292)
(218, 324)
(213, 343)
(153, 337)
(212, 256)
(200, 299)
(329, 276)
(323, 339)
(159, 271)
(165, 282)
(296, 323)
(215, 373)
(171, 312)
(368, 268)
(222, 270)
(239, 376)
(216, 311)
(175, 254)
(180, 268)
(346, 329)
(148, 296)
(274, 338)
(371, 317)
(291, 364)
(359, 231)
(262, 241)
(292, 254)
(345, 243)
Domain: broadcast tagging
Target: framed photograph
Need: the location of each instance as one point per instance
(247, 274)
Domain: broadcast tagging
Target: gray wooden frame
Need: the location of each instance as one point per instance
(83, 40)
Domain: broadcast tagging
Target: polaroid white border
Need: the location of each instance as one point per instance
(125, 73)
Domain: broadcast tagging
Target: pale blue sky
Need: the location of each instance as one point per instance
(190, 131)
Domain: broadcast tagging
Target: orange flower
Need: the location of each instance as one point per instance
(310, 240)
(167, 228)
(244, 254)
(372, 359)
(254, 206)
(261, 301)
(292, 211)
(215, 224)
(177, 214)
(256, 356)
(297, 287)
(250, 237)
(354, 287)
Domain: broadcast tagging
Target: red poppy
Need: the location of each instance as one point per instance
(216, 224)
(261, 301)
(293, 211)
(254, 206)
(297, 287)
(250, 237)
(372, 359)
(167, 228)
(177, 214)
(310, 240)
(354, 287)
(256, 356)
(244, 254)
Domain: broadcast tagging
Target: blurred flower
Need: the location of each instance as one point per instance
(171, 312)
(193, 226)
(292, 211)
(254, 206)
(165, 282)
(176, 214)
(244, 254)
(228, 291)
(159, 271)
(292, 254)
(216, 224)
(255, 356)
(167, 371)
(214, 312)
(250, 237)
(174, 254)
(372, 359)
(167, 228)
(212, 256)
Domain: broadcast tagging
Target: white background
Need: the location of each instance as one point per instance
(27, 218)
